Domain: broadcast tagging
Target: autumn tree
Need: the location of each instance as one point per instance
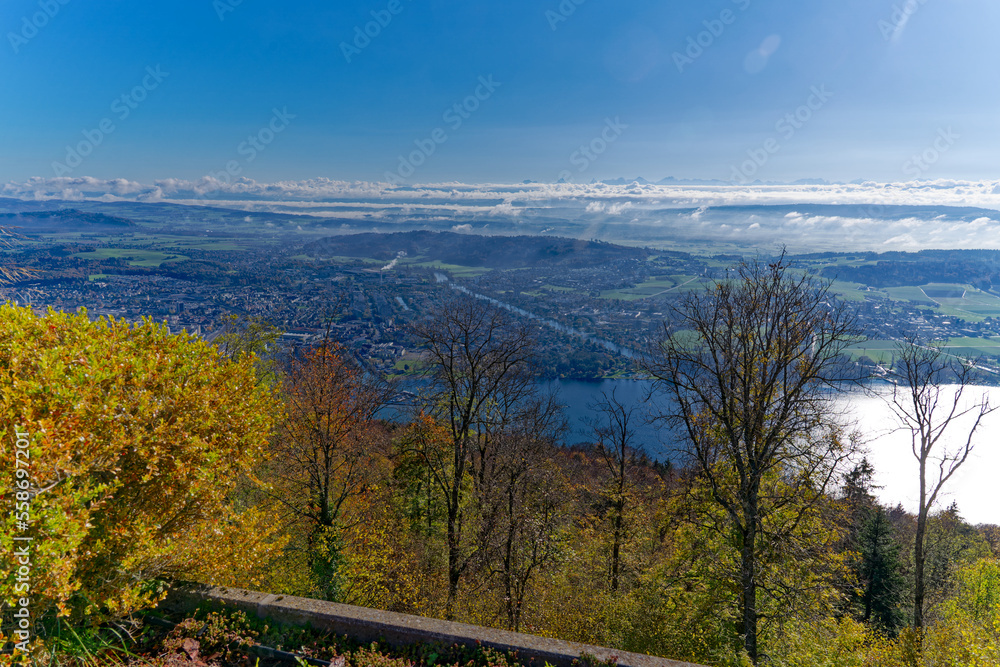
(930, 398)
(747, 366)
(613, 424)
(327, 449)
(479, 359)
(133, 440)
(523, 497)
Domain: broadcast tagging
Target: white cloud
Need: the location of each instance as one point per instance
(318, 192)
(667, 212)
(505, 208)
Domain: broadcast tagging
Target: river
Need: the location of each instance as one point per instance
(552, 324)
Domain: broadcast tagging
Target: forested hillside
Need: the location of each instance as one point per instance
(475, 250)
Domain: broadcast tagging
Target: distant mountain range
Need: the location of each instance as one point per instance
(62, 219)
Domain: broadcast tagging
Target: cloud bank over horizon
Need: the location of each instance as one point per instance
(859, 216)
(943, 192)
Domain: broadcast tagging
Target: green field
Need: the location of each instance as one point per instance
(964, 301)
(973, 347)
(908, 293)
(879, 350)
(651, 288)
(454, 269)
(152, 258)
(951, 300)
(970, 348)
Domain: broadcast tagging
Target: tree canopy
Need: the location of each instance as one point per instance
(747, 365)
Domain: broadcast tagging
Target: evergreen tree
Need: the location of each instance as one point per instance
(879, 572)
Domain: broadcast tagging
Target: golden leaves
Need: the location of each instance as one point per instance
(137, 436)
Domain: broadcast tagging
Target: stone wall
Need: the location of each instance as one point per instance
(367, 625)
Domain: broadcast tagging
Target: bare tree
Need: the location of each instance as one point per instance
(747, 366)
(9, 274)
(480, 361)
(614, 426)
(928, 408)
(528, 490)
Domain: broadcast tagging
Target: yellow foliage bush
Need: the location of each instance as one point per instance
(245, 551)
(136, 437)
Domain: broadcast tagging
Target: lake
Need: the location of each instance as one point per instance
(973, 487)
(578, 395)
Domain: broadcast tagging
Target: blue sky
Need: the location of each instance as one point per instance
(899, 80)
